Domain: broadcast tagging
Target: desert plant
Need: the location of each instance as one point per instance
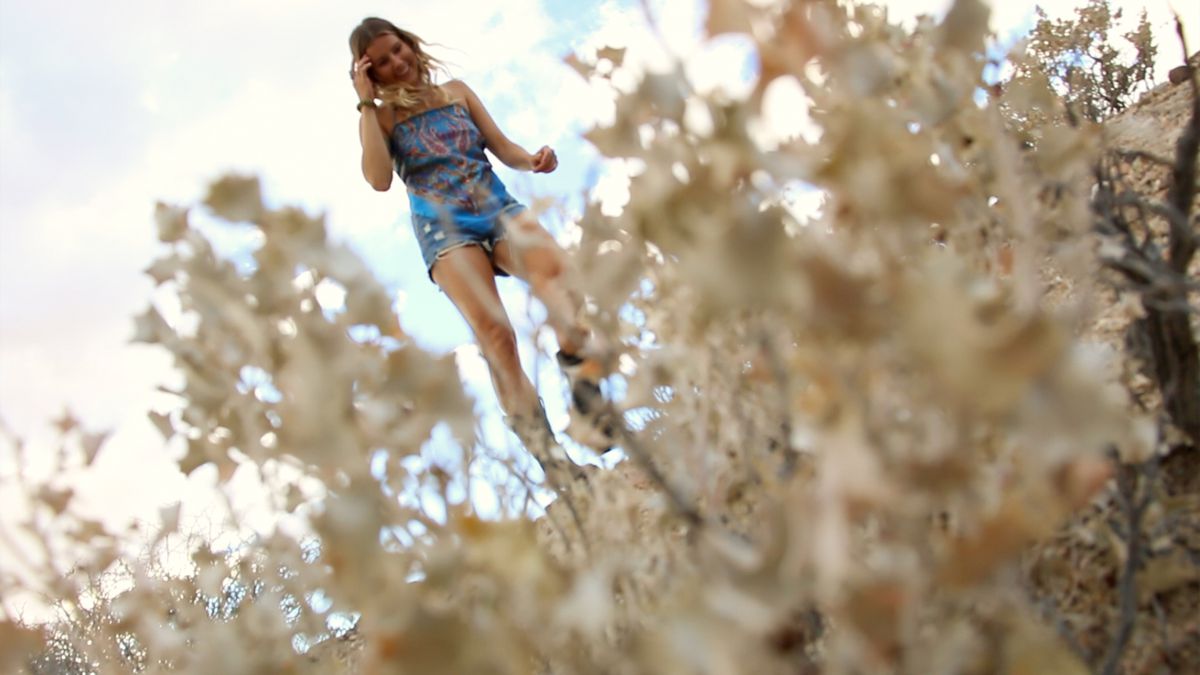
(845, 431)
(1097, 75)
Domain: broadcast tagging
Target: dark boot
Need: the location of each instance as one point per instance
(588, 406)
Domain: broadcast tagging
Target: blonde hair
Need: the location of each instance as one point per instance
(396, 96)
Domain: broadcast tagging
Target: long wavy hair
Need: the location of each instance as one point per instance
(397, 96)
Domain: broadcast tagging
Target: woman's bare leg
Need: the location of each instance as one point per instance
(531, 254)
(465, 274)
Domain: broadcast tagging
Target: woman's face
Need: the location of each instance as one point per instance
(392, 61)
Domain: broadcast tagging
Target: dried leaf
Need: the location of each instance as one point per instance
(149, 327)
(66, 423)
(584, 69)
(966, 26)
(727, 16)
(163, 424)
(164, 269)
(172, 222)
(614, 55)
(56, 498)
(91, 444)
(236, 198)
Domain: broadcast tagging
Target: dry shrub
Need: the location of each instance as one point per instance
(844, 430)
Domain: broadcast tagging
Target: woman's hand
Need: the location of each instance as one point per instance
(376, 160)
(544, 160)
(363, 85)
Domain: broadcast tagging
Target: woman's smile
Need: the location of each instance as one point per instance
(392, 60)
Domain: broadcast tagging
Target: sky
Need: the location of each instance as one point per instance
(106, 108)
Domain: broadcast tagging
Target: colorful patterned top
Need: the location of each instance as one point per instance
(439, 155)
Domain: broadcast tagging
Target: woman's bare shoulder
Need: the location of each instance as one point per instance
(456, 91)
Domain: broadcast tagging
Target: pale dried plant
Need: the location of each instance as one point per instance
(843, 435)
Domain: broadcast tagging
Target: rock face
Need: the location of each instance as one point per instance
(1168, 588)
(1153, 126)
(1150, 140)
(1180, 74)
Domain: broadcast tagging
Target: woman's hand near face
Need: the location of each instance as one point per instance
(544, 160)
(376, 160)
(363, 85)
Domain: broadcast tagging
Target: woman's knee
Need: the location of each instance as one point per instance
(544, 263)
(537, 254)
(496, 338)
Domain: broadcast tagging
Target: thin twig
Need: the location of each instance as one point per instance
(565, 494)
(1135, 268)
(635, 450)
(1142, 154)
(1134, 504)
(1050, 612)
(1170, 305)
(1110, 220)
(779, 375)
(1175, 217)
(552, 471)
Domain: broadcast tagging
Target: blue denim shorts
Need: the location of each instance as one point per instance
(454, 228)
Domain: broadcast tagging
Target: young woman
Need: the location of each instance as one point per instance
(469, 228)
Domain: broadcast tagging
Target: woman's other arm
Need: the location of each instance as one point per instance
(508, 152)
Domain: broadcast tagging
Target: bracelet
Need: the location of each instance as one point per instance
(365, 103)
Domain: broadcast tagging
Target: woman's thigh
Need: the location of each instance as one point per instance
(466, 276)
(528, 250)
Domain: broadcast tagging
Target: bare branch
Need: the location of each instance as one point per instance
(1134, 503)
(635, 450)
(1132, 155)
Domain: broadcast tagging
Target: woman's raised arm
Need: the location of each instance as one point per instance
(376, 160)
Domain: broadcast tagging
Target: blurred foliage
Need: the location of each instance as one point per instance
(878, 436)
